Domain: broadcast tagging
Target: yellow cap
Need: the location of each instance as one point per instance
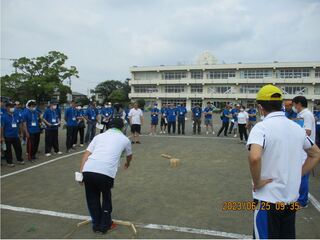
(266, 92)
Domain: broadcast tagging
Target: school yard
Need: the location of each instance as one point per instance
(42, 199)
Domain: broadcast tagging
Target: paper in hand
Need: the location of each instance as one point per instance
(78, 176)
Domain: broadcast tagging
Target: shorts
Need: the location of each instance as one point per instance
(154, 122)
(136, 128)
(208, 121)
(163, 122)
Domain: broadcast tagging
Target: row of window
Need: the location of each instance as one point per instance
(225, 74)
(244, 89)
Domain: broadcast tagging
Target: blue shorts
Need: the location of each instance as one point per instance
(154, 122)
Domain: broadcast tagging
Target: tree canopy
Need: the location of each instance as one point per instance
(39, 78)
(114, 91)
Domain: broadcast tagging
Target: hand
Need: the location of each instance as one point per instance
(126, 165)
(261, 184)
(247, 125)
(27, 135)
(81, 183)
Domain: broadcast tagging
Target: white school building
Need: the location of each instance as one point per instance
(224, 83)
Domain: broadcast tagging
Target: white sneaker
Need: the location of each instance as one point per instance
(235, 135)
(48, 154)
(59, 152)
(207, 132)
(81, 145)
(213, 133)
(74, 145)
(164, 132)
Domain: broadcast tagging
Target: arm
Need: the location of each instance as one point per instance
(129, 155)
(312, 159)
(255, 155)
(84, 159)
(25, 129)
(2, 137)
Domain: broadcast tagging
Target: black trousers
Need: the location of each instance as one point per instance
(97, 184)
(181, 125)
(173, 125)
(80, 132)
(16, 144)
(197, 125)
(51, 140)
(231, 127)
(271, 222)
(91, 131)
(225, 126)
(71, 136)
(243, 131)
(33, 145)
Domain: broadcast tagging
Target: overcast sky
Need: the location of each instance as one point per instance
(104, 38)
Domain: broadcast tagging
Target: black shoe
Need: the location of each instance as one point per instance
(137, 142)
(132, 142)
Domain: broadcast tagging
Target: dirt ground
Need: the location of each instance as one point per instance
(212, 171)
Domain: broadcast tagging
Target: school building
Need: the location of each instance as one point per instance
(224, 83)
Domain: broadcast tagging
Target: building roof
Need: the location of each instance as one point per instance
(235, 66)
(78, 94)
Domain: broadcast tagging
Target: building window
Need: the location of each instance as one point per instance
(145, 89)
(317, 90)
(293, 73)
(174, 88)
(220, 89)
(175, 102)
(174, 75)
(294, 90)
(249, 89)
(317, 73)
(197, 75)
(257, 73)
(198, 88)
(196, 101)
(221, 74)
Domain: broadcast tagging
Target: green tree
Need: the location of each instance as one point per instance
(114, 90)
(141, 103)
(39, 78)
(118, 95)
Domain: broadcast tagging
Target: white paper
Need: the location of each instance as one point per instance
(78, 176)
(99, 126)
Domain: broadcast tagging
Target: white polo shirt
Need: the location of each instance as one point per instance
(106, 150)
(309, 122)
(135, 115)
(243, 117)
(283, 143)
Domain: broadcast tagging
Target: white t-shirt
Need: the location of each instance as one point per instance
(106, 150)
(283, 142)
(135, 115)
(243, 117)
(309, 122)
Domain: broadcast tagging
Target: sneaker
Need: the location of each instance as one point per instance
(59, 153)
(112, 227)
(81, 145)
(138, 142)
(164, 132)
(21, 163)
(213, 133)
(24, 142)
(132, 142)
(74, 145)
(48, 154)
(207, 132)
(10, 164)
(160, 132)
(235, 135)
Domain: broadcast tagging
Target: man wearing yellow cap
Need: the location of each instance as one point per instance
(275, 148)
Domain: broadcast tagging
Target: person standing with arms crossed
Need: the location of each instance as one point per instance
(91, 116)
(225, 118)
(99, 167)
(300, 104)
(275, 148)
(136, 121)
(196, 118)
(154, 119)
(208, 111)
(70, 117)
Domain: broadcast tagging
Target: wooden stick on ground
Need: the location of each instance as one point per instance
(166, 156)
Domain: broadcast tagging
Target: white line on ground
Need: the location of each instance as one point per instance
(39, 165)
(139, 225)
(191, 137)
(314, 201)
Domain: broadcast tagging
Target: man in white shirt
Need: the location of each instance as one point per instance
(275, 148)
(300, 105)
(136, 121)
(99, 166)
(243, 122)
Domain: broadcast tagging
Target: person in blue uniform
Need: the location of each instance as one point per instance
(208, 117)
(234, 121)
(70, 117)
(252, 117)
(172, 118)
(19, 112)
(81, 126)
(10, 134)
(288, 110)
(52, 121)
(154, 119)
(182, 111)
(106, 115)
(91, 116)
(31, 123)
(196, 117)
(163, 120)
(225, 118)
(317, 118)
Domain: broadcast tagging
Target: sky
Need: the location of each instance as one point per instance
(104, 38)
